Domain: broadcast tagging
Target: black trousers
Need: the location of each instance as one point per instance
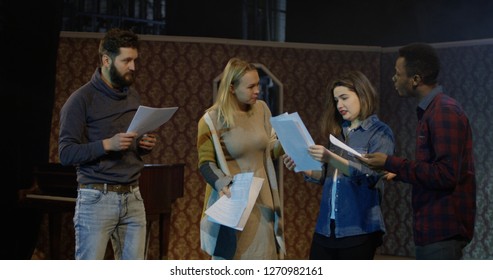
(365, 251)
(360, 247)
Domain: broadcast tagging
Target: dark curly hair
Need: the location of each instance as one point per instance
(422, 60)
(115, 39)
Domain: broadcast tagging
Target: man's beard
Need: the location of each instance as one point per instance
(120, 81)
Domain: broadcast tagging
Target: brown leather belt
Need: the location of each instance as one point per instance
(110, 188)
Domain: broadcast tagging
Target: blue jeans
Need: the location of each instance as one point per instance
(101, 216)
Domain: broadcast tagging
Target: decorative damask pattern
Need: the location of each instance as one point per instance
(180, 73)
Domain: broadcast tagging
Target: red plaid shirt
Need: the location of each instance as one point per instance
(443, 179)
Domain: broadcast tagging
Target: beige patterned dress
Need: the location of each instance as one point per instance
(246, 147)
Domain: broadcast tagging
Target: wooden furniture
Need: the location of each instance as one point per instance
(56, 185)
(161, 185)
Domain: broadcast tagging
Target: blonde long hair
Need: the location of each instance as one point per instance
(226, 103)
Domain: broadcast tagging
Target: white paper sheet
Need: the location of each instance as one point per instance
(234, 212)
(148, 119)
(343, 146)
(252, 198)
(295, 140)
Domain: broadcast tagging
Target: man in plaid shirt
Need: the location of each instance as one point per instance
(442, 175)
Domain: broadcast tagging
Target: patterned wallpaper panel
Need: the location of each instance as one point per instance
(181, 73)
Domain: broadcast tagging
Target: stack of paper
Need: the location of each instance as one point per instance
(234, 211)
(295, 140)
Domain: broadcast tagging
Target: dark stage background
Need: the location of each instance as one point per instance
(29, 33)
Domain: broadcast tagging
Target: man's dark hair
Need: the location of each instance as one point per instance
(116, 39)
(422, 60)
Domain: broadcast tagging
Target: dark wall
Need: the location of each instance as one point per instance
(388, 22)
(218, 18)
(29, 36)
(350, 22)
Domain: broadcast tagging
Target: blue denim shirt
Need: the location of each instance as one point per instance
(358, 196)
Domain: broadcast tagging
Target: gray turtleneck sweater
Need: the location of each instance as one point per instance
(92, 113)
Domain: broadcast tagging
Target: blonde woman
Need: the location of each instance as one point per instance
(243, 142)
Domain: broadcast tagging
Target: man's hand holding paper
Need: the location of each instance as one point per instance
(376, 161)
(147, 119)
(148, 141)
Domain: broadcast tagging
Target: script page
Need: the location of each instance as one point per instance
(234, 211)
(148, 119)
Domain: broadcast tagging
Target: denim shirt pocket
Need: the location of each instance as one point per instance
(363, 177)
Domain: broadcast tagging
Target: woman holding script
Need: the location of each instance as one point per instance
(350, 223)
(235, 136)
